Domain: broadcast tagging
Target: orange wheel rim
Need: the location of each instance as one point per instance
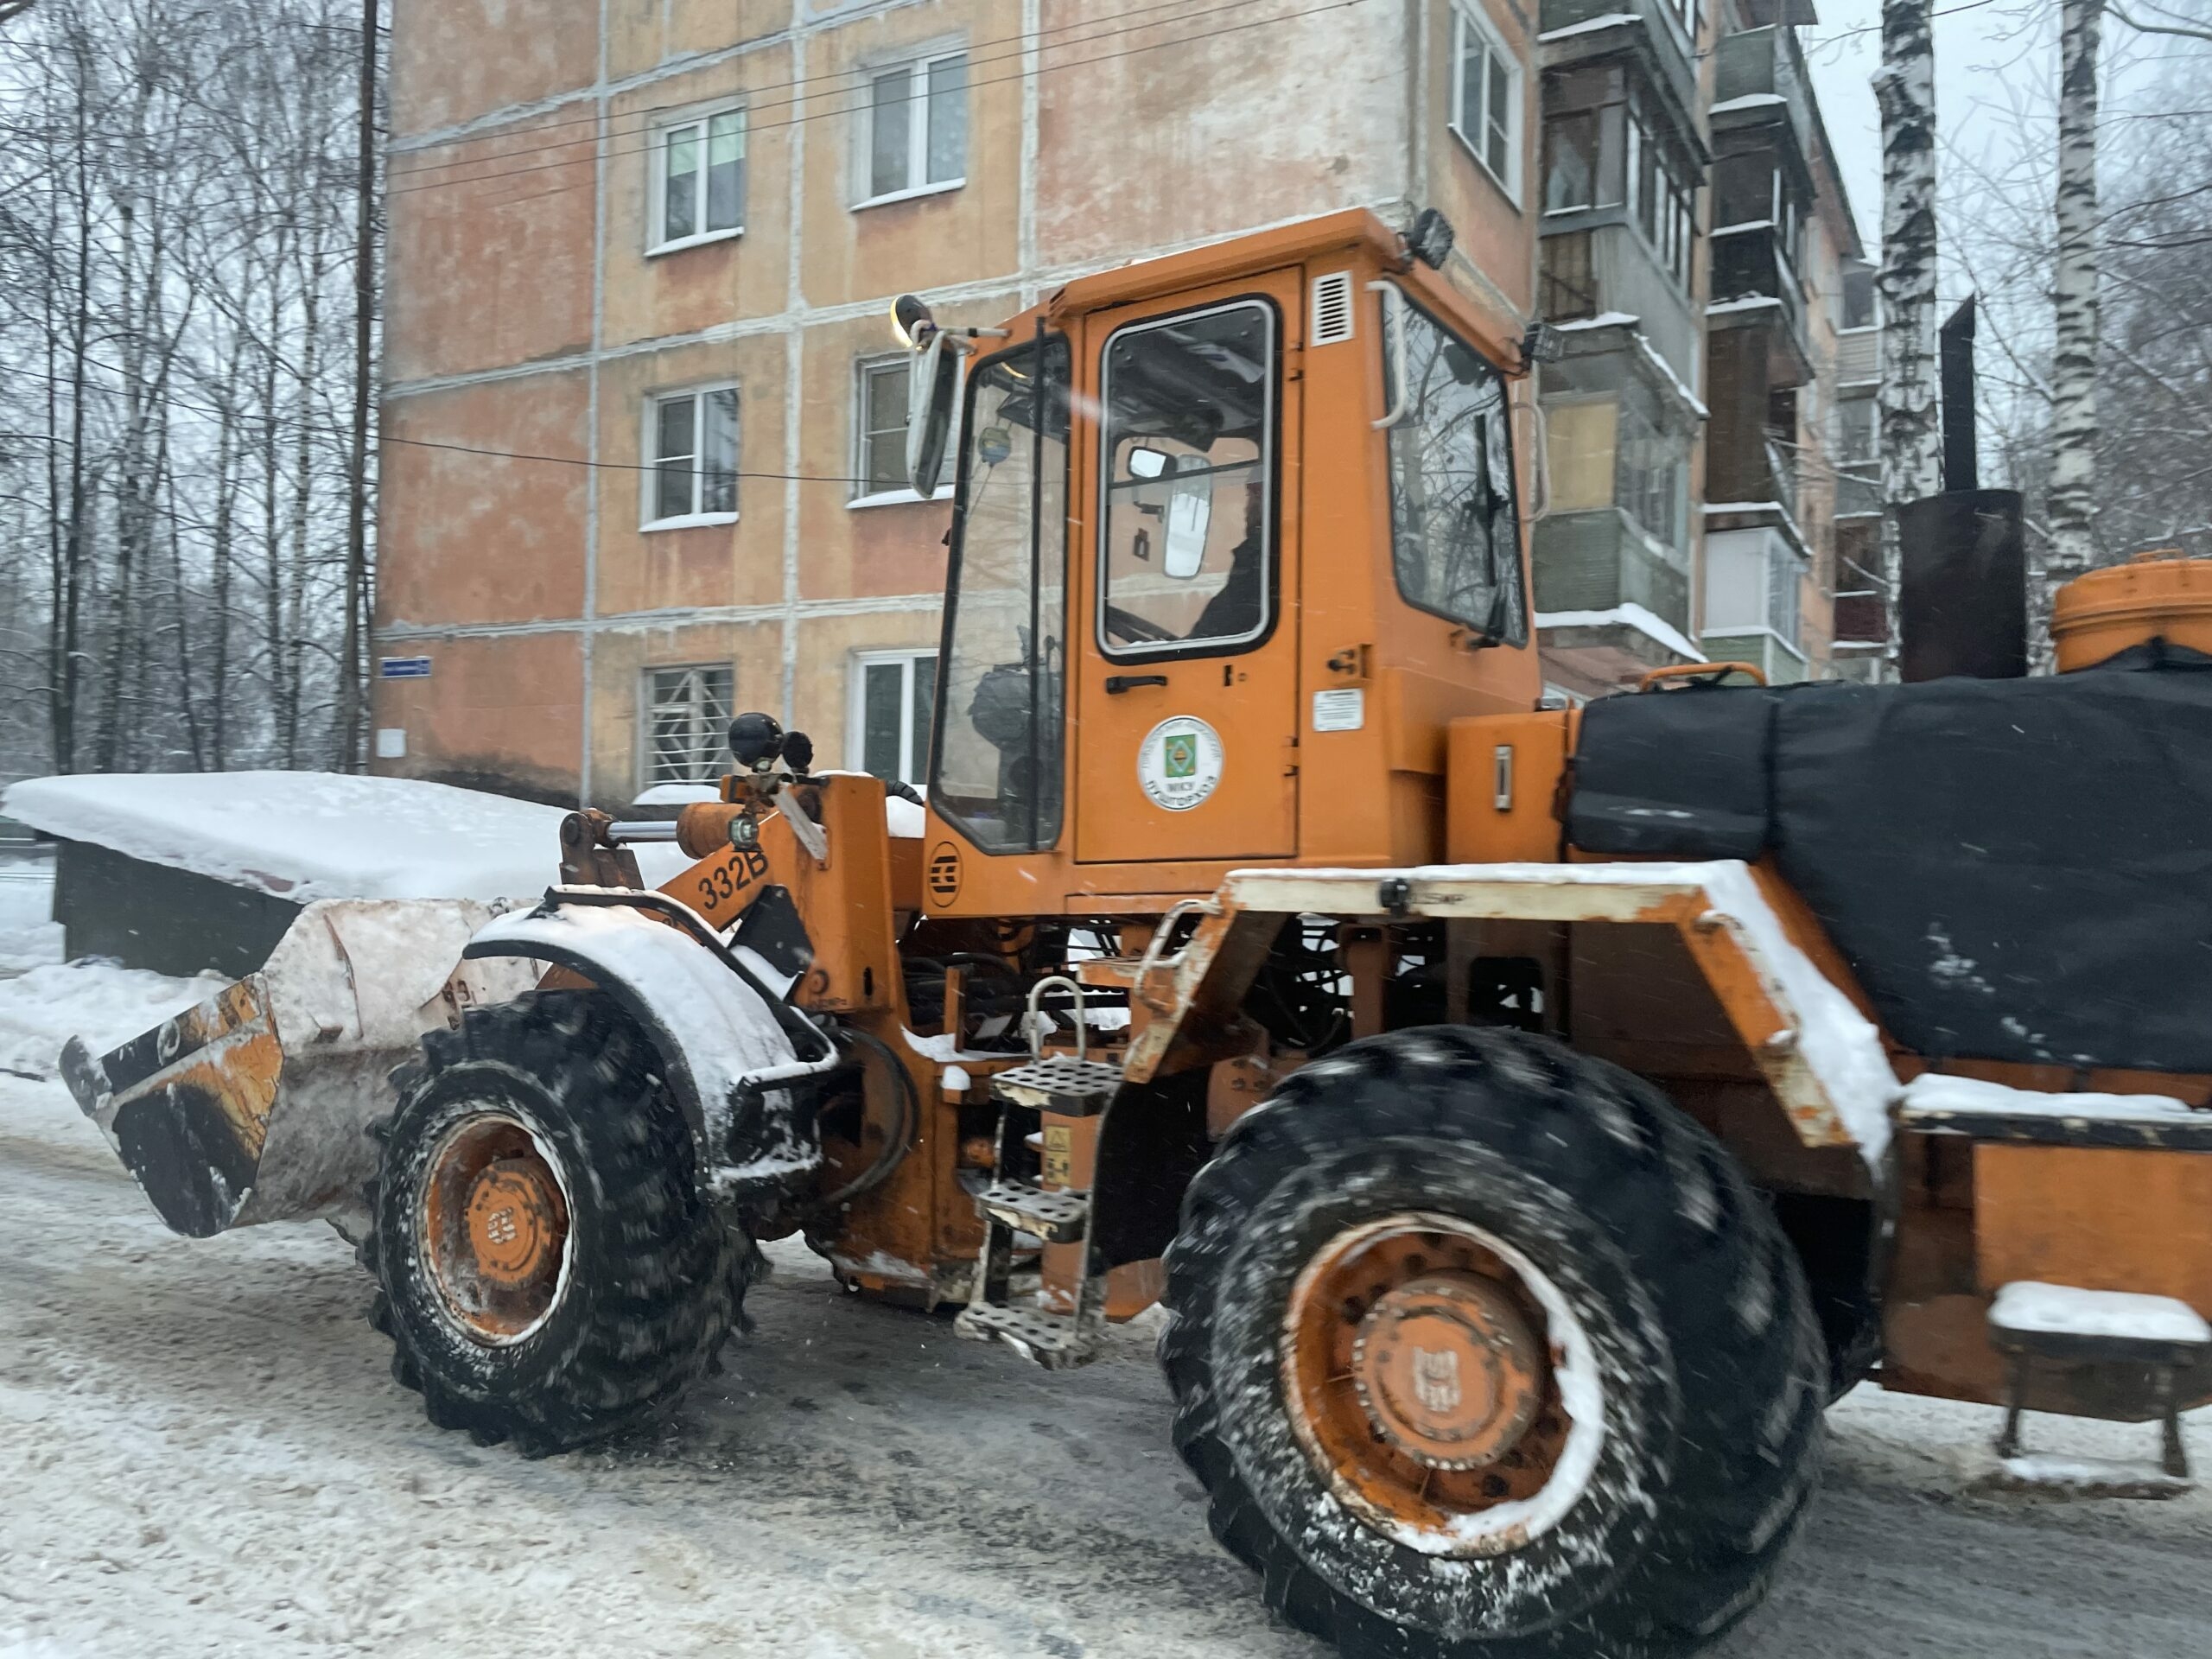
(1422, 1373)
(494, 1228)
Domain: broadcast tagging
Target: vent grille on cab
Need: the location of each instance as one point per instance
(1332, 309)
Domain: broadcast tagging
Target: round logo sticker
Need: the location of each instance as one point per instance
(1178, 762)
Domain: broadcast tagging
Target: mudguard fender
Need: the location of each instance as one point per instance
(730, 1056)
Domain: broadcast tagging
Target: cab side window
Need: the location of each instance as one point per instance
(1187, 563)
(1455, 537)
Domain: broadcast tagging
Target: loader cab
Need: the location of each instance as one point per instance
(1236, 534)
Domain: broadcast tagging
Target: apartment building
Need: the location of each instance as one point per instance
(643, 414)
(1698, 255)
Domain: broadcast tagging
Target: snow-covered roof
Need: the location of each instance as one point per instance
(304, 836)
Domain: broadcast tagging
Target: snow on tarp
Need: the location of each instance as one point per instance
(2027, 1304)
(304, 836)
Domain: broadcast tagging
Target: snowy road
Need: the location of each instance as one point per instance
(200, 1452)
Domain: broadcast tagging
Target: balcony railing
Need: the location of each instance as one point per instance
(1749, 265)
(1781, 470)
(1763, 68)
(1567, 290)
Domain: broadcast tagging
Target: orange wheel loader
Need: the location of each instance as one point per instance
(1529, 1118)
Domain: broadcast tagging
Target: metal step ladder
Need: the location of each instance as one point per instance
(2143, 1346)
(1065, 1085)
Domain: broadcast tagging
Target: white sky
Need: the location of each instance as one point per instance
(1978, 52)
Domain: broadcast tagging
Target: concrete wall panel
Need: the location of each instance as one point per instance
(690, 289)
(644, 35)
(956, 235)
(502, 713)
(489, 252)
(472, 538)
(453, 60)
(1193, 130)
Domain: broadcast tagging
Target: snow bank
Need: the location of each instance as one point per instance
(305, 835)
(105, 1005)
(28, 934)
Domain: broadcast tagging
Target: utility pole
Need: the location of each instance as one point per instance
(1904, 88)
(353, 678)
(2074, 362)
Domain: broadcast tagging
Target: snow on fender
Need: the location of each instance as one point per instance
(717, 1035)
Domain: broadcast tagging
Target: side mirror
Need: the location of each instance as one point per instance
(1148, 463)
(932, 401)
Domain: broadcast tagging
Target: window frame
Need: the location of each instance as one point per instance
(1270, 460)
(657, 239)
(648, 706)
(1553, 127)
(914, 736)
(1524, 572)
(899, 494)
(649, 494)
(1466, 22)
(1044, 344)
(918, 126)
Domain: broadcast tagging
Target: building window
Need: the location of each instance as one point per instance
(916, 120)
(687, 724)
(880, 421)
(892, 697)
(691, 437)
(1582, 441)
(1653, 470)
(1859, 296)
(1750, 584)
(1571, 161)
(700, 191)
(1661, 199)
(1855, 427)
(1486, 99)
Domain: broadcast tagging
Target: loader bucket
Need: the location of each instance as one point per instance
(254, 1105)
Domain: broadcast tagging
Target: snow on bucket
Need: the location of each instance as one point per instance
(254, 1106)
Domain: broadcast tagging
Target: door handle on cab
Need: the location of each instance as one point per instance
(1117, 684)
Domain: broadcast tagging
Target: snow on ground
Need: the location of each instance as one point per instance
(202, 1452)
(28, 934)
(307, 835)
(45, 1002)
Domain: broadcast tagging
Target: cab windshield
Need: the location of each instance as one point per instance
(996, 761)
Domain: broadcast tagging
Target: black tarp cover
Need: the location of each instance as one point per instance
(2015, 870)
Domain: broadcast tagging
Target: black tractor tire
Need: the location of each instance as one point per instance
(1713, 1363)
(652, 1278)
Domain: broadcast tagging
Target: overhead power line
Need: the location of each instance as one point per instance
(295, 423)
(645, 118)
(846, 111)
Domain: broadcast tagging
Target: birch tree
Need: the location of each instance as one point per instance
(2073, 430)
(1911, 434)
